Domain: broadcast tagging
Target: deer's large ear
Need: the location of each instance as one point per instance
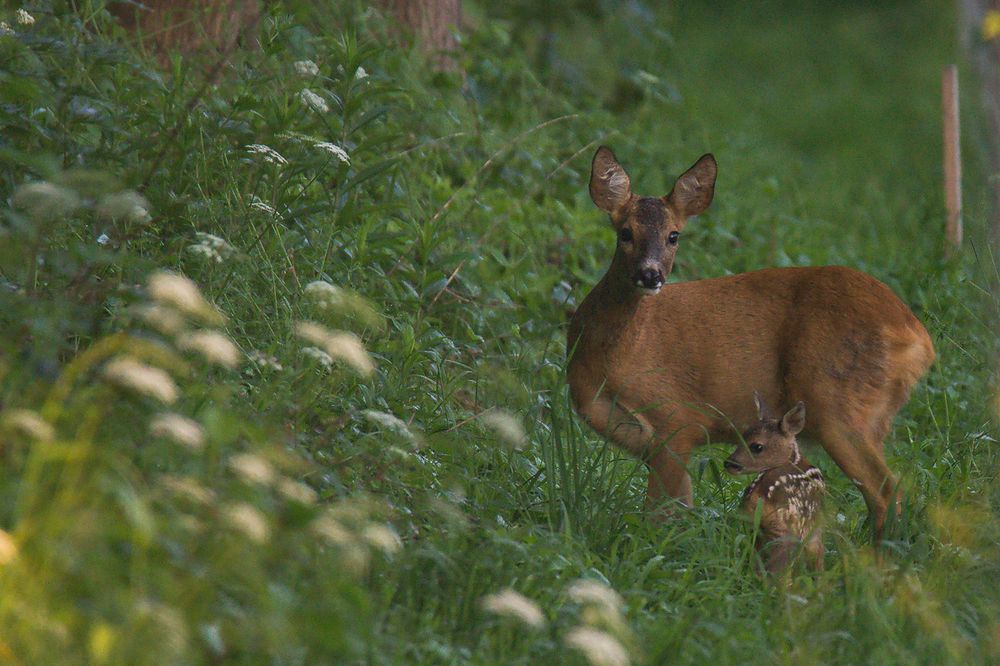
(794, 420)
(610, 187)
(763, 411)
(694, 190)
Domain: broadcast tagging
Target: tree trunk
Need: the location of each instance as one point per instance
(189, 26)
(431, 23)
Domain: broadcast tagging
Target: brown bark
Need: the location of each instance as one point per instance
(189, 26)
(432, 24)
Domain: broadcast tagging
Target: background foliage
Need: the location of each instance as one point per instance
(321, 514)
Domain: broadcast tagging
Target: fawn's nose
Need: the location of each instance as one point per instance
(732, 466)
(649, 278)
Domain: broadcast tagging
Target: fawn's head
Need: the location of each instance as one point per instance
(769, 443)
(649, 227)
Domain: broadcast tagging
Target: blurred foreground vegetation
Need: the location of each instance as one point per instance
(343, 437)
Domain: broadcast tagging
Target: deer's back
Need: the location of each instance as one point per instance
(713, 342)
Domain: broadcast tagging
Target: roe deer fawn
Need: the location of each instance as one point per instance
(660, 368)
(789, 489)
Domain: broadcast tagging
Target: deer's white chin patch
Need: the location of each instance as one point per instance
(649, 292)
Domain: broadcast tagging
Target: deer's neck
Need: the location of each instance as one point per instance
(618, 296)
(611, 320)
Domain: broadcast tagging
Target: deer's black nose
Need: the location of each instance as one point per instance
(732, 467)
(650, 278)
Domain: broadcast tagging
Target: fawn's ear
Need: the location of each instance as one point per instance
(763, 411)
(794, 420)
(694, 190)
(610, 187)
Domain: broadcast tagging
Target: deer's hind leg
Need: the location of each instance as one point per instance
(860, 457)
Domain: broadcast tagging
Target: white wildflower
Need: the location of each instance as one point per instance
(141, 378)
(382, 537)
(161, 317)
(211, 247)
(338, 344)
(248, 520)
(314, 101)
(599, 647)
(585, 591)
(296, 491)
(513, 604)
(8, 549)
(334, 150)
(187, 487)
(330, 529)
(263, 360)
(252, 468)
(5, 29)
(360, 73)
(129, 206)
(209, 253)
(306, 68)
(44, 200)
(180, 429)
(348, 348)
(319, 356)
(23, 17)
(325, 294)
(183, 294)
(263, 207)
(213, 346)
(270, 155)
(507, 427)
(389, 422)
(103, 239)
(331, 297)
(29, 423)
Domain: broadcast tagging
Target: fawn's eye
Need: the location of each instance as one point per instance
(756, 448)
(672, 237)
(625, 234)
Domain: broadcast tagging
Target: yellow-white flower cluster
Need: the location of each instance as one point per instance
(180, 429)
(599, 638)
(268, 154)
(512, 604)
(507, 427)
(211, 247)
(314, 101)
(144, 379)
(339, 345)
(29, 424)
(334, 150)
(305, 68)
(347, 526)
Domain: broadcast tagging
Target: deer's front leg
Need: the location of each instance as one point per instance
(668, 475)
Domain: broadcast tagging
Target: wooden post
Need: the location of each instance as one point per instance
(952, 160)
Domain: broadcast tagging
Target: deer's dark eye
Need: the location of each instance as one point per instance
(756, 448)
(672, 237)
(625, 234)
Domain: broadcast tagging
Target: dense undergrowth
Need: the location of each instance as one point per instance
(292, 497)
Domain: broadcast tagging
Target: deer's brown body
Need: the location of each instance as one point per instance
(660, 369)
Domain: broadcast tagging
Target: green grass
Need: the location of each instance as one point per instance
(461, 231)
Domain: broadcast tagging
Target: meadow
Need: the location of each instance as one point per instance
(282, 351)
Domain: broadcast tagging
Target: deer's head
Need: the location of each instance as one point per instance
(649, 227)
(769, 443)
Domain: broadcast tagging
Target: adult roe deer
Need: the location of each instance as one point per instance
(659, 369)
